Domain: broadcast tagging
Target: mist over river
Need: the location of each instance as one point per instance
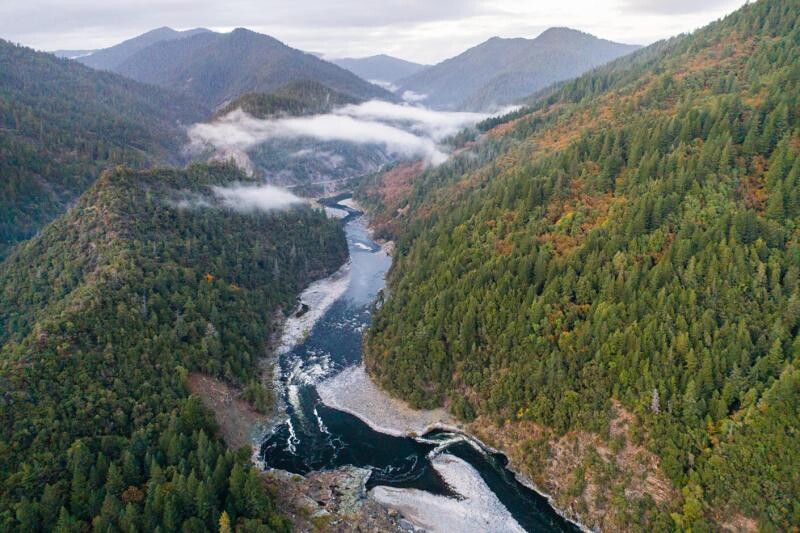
(440, 481)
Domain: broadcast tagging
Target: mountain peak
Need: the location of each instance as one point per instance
(562, 30)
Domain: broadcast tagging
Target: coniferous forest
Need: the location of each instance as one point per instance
(602, 284)
(61, 123)
(146, 279)
(630, 239)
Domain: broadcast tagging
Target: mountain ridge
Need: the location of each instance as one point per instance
(217, 68)
(133, 291)
(112, 57)
(499, 71)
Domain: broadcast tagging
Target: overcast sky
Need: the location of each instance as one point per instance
(419, 30)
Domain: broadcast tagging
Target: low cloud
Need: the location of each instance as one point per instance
(250, 198)
(188, 200)
(413, 97)
(403, 131)
(389, 86)
(435, 125)
(327, 157)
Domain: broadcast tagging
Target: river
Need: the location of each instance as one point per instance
(449, 480)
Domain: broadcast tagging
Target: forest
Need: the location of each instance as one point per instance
(293, 99)
(630, 236)
(61, 123)
(147, 278)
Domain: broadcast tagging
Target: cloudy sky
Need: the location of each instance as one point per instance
(419, 30)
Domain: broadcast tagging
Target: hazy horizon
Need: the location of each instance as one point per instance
(415, 31)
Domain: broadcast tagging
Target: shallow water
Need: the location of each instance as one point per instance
(317, 437)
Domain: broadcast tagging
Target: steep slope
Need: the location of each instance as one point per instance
(500, 71)
(217, 68)
(61, 122)
(112, 57)
(608, 284)
(381, 67)
(147, 278)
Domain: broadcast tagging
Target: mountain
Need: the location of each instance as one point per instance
(61, 123)
(607, 285)
(380, 67)
(500, 71)
(146, 279)
(217, 68)
(111, 58)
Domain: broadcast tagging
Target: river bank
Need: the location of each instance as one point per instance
(354, 392)
(422, 465)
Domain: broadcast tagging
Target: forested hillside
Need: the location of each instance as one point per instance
(630, 243)
(303, 97)
(147, 278)
(61, 122)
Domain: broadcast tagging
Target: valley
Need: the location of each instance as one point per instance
(341, 270)
(399, 468)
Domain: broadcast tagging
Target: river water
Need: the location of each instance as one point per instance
(317, 437)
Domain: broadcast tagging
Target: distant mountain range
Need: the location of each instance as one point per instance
(380, 67)
(113, 57)
(501, 71)
(215, 68)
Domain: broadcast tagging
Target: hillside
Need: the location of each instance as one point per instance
(112, 57)
(501, 71)
(381, 67)
(608, 283)
(148, 278)
(294, 99)
(217, 68)
(61, 122)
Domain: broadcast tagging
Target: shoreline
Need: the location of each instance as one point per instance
(478, 508)
(353, 391)
(523, 479)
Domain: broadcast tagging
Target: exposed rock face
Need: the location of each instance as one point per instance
(333, 500)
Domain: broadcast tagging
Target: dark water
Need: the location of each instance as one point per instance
(317, 437)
